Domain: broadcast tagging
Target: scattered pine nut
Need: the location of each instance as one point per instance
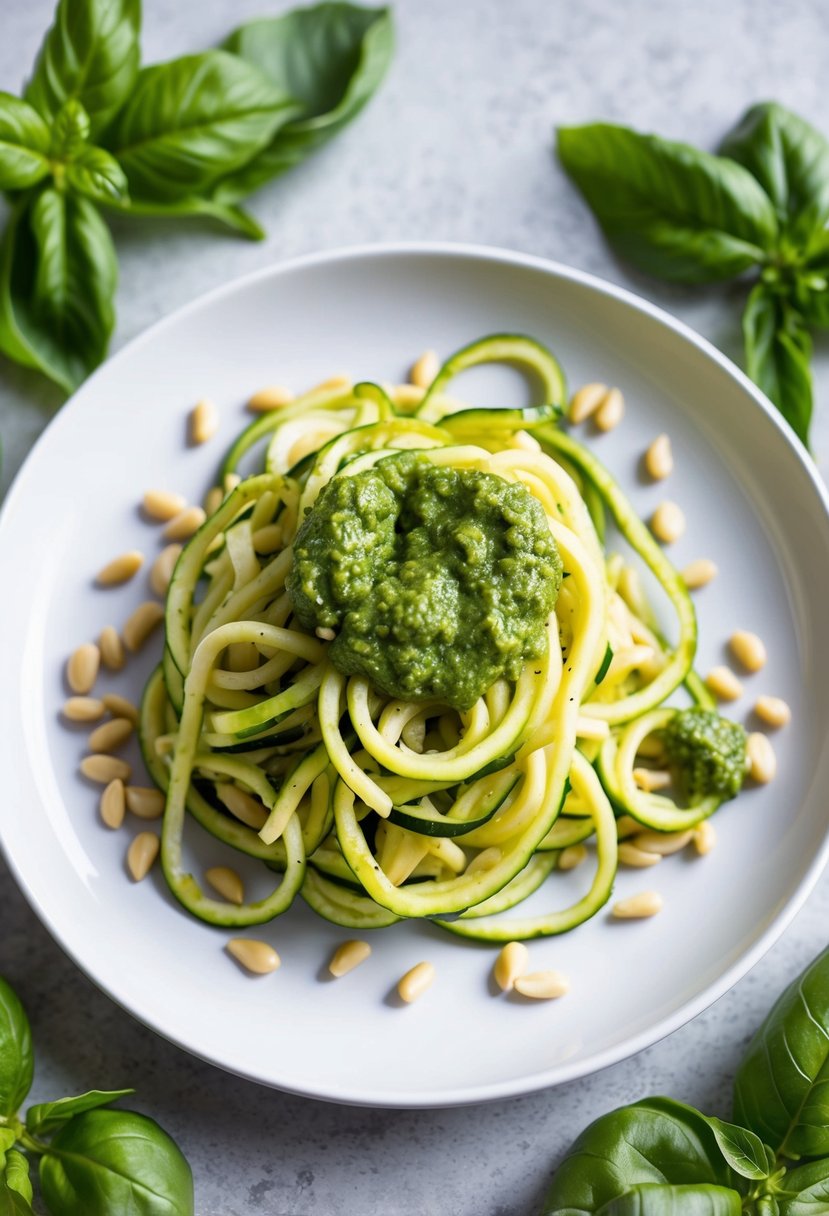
(748, 650)
(425, 369)
(773, 711)
(327, 635)
(163, 505)
(213, 499)
(662, 843)
(659, 459)
(348, 956)
(120, 707)
(141, 623)
(144, 801)
(268, 539)
(83, 709)
(162, 569)
(204, 421)
(646, 903)
(257, 957)
(723, 683)
(241, 804)
(112, 805)
(572, 856)
(407, 396)
(141, 854)
(339, 381)
(542, 985)
(104, 768)
(630, 855)
(705, 837)
(762, 762)
(110, 735)
(668, 522)
(611, 411)
(185, 524)
(586, 401)
(227, 883)
(121, 569)
(699, 573)
(511, 963)
(415, 982)
(231, 481)
(82, 668)
(272, 397)
(650, 779)
(111, 648)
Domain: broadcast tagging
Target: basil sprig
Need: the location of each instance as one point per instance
(92, 1160)
(658, 1157)
(190, 137)
(760, 208)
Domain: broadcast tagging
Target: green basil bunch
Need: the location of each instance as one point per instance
(761, 207)
(191, 137)
(658, 1157)
(93, 1161)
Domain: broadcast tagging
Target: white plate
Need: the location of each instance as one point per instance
(754, 504)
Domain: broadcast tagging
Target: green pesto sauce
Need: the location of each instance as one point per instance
(709, 753)
(436, 580)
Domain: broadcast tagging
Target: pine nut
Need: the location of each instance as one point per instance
(511, 962)
(83, 709)
(120, 707)
(162, 569)
(629, 855)
(163, 505)
(650, 779)
(705, 837)
(227, 883)
(542, 985)
(121, 569)
(231, 481)
(662, 843)
(762, 762)
(204, 421)
(82, 667)
(586, 401)
(668, 522)
(268, 539)
(257, 957)
(407, 396)
(110, 735)
(144, 801)
(327, 635)
(484, 861)
(272, 397)
(104, 768)
(572, 856)
(213, 499)
(646, 903)
(699, 573)
(111, 648)
(773, 711)
(748, 650)
(611, 411)
(112, 805)
(185, 524)
(141, 623)
(142, 854)
(723, 683)
(415, 982)
(348, 956)
(659, 459)
(626, 825)
(425, 369)
(341, 380)
(246, 809)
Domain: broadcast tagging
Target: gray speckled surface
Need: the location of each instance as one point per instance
(457, 147)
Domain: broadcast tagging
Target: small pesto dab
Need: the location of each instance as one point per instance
(400, 642)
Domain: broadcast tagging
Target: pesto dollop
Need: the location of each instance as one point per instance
(708, 752)
(437, 580)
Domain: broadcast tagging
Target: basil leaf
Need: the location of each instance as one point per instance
(96, 174)
(189, 121)
(16, 1057)
(91, 53)
(107, 1161)
(47, 1117)
(778, 354)
(70, 130)
(810, 292)
(24, 144)
(674, 211)
(17, 1175)
(744, 1152)
(12, 1203)
(653, 1199)
(790, 160)
(804, 1191)
(781, 1090)
(331, 58)
(231, 216)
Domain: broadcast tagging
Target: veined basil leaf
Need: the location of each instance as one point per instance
(70, 130)
(331, 58)
(790, 160)
(24, 144)
(16, 1058)
(193, 119)
(804, 1190)
(12, 1203)
(17, 1175)
(778, 354)
(47, 1117)
(655, 1199)
(782, 1086)
(744, 1152)
(231, 216)
(108, 1161)
(96, 174)
(674, 211)
(91, 53)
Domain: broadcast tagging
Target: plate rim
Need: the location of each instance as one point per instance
(561, 1073)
